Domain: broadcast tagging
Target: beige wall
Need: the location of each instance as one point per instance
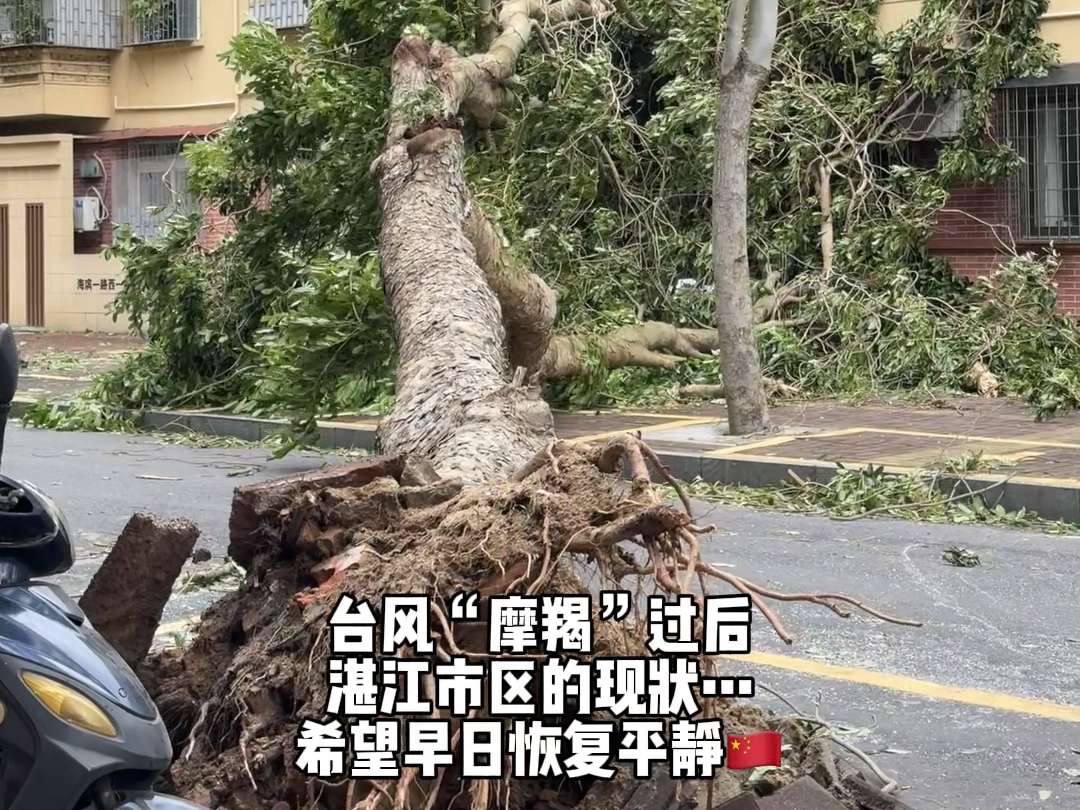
(1060, 25)
(165, 86)
(176, 83)
(168, 84)
(38, 169)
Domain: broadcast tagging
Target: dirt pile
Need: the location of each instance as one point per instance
(234, 698)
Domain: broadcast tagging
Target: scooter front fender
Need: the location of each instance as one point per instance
(156, 801)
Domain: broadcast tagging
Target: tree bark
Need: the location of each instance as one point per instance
(743, 72)
(458, 400)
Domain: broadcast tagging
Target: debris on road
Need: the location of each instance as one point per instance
(128, 593)
(961, 557)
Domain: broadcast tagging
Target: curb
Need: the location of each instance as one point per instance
(1046, 498)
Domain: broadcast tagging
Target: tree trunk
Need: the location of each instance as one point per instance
(473, 330)
(455, 401)
(460, 401)
(743, 71)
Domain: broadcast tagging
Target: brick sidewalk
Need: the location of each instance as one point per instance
(1003, 432)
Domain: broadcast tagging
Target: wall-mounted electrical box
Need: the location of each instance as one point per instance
(87, 214)
(90, 169)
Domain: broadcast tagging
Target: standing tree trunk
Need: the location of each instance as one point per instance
(744, 68)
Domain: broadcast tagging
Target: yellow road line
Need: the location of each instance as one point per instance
(926, 456)
(928, 689)
(867, 677)
(664, 416)
(698, 420)
(971, 437)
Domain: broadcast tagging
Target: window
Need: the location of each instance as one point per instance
(1043, 125)
(150, 175)
(281, 14)
(151, 21)
(66, 23)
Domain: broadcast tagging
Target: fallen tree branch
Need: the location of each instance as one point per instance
(773, 387)
(653, 343)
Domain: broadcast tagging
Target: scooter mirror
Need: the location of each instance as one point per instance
(9, 365)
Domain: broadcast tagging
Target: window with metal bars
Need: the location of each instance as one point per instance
(65, 23)
(150, 185)
(151, 21)
(1043, 126)
(282, 14)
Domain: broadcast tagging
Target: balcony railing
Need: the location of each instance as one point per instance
(60, 23)
(281, 13)
(151, 21)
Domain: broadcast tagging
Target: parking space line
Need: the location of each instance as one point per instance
(673, 425)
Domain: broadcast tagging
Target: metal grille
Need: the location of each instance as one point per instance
(281, 13)
(1043, 126)
(150, 184)
(35, 264)
(150, 21)
(64, 23)
(5, 264)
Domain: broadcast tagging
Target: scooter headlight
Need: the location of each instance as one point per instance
(68, 705)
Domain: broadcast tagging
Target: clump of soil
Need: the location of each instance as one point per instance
(234, 698)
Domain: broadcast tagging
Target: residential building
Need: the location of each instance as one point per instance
(96, 98)
(1040, 206)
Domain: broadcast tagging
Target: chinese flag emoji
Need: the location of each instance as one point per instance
(753, 750)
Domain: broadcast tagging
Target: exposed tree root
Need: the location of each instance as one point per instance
(234, 699)
(773, 388)
(653, 343)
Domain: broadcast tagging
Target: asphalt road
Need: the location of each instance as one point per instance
(99, 480)
(1009, 628)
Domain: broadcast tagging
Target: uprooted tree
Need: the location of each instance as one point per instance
(474, 492)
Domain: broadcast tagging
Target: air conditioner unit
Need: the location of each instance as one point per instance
(87, 214)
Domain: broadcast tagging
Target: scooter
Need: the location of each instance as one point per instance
(77, 729)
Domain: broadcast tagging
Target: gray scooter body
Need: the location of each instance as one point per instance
(49, 763)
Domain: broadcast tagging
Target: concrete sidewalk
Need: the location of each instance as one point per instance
(989, 443)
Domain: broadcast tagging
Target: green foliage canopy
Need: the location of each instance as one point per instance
(601, 184)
